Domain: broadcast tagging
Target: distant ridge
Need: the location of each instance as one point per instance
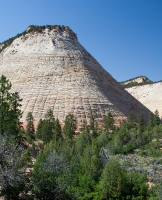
(139, 80)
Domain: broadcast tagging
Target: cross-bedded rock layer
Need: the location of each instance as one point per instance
(52, 69)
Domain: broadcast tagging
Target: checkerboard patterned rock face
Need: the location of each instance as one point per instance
(53, 70)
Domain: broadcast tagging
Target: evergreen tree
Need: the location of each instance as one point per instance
(141, 124)
(69, 126)
(49, 123)
(92, 120)
(93, 126)
(16, 112)
(108, 122)
(138, 187)
(9, 109)
(39, 129)
(85, 126)
(156, 118)
(95, 163)
(82, 140)
(45, 130)
(57, 131)
(151, 120)
(30, 131)
(113, 182)
(49, 117)
(131, 120)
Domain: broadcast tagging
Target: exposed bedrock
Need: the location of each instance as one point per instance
(53, 70)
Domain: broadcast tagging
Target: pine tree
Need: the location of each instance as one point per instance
(57, 130)
(45, 129)
(92, 120)
(30, 131)
(48, 127)
(156, 118)
(108, 122)
(151, 120)
(95, 163)
(141, 124)
(85, 126)
(93, 126)
(70, 126)
(9, 109)
(131, 120)
(39, 129)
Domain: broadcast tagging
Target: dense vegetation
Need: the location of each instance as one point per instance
(33, 29)
(101, 163)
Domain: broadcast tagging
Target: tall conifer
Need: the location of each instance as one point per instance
(9, 109)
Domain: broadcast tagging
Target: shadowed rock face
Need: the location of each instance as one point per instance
(52, 69)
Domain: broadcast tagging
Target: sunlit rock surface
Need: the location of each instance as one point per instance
(53, 70)
(149, 95)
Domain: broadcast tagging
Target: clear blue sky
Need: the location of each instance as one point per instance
(125, 36)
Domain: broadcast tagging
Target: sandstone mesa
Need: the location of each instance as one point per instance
(51, 69)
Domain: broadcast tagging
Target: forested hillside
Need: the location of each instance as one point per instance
(100, 162)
